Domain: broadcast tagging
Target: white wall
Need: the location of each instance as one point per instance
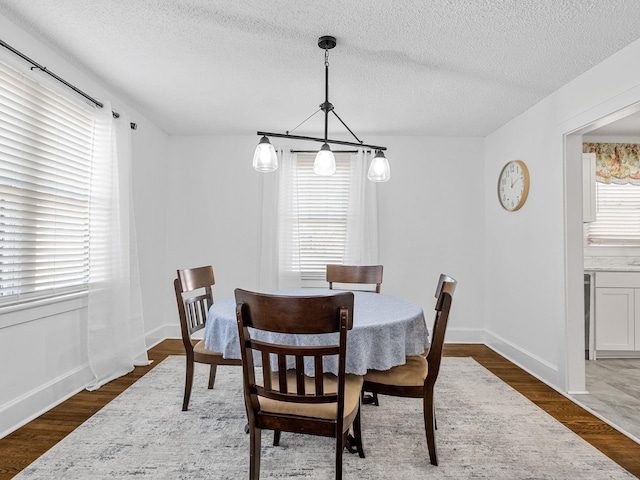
(43, 350)
(533, 279)
(197, 201)
(431, 219)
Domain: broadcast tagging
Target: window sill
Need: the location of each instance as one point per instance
(16, 314)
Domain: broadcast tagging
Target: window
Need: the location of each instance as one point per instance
(617, 215)
(309, 221)
(46, 146)
(323, 203)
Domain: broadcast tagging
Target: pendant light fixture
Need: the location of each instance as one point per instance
(265, 159)
(379, 168)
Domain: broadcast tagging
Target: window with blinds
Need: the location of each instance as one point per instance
(323, 203)
(617, 216)
(45, 160)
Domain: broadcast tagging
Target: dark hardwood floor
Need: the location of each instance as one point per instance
(20, 448)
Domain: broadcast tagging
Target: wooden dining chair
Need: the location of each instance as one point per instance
(362, 274)
(286, 397)
(417, 377)
(194, 296)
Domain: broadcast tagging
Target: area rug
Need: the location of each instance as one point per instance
(485, 430)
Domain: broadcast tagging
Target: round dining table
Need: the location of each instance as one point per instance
(386, 329)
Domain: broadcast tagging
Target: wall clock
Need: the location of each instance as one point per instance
(513, 185)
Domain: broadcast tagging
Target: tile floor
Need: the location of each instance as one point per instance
(614, 392)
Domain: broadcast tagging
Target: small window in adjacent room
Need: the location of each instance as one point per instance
(617, 216)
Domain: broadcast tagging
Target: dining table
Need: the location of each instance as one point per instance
(386, 329)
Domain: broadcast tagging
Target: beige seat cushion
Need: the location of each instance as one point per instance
(199, 348)
(352, 388)
(411, 374)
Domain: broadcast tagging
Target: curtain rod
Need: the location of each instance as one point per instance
(36, 65)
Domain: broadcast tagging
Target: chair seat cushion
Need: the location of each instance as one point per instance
(199, 348)
(352, 389)
(412, 374)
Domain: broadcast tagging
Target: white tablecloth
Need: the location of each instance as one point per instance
(385, 330)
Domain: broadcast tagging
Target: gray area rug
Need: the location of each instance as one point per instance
(486, 430)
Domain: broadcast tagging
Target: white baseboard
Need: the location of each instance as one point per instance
(38, 401)
(531, 363)
(31, 405)
(465, 335)
(157, 335)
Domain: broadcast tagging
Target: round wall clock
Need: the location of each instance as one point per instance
(513, 185)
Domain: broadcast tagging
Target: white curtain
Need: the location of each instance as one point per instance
(268, 252)
(279, 259)
(279, 267)
(115, 334)
(361, 247)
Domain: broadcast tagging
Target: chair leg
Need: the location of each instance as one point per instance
(357, 433)
(188, 384)
(276, 438)
(212, 375)
(429, 425)
(255, 441)
(369, 399)
(341, 441)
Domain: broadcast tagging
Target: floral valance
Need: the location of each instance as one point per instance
(616, 162)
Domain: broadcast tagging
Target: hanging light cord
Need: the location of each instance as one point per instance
(37, 66)
(326, 43)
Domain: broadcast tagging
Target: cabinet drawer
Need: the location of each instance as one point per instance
(618, 279)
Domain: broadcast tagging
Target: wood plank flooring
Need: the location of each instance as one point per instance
(20, 448)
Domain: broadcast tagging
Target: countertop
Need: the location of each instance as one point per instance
(612, 264)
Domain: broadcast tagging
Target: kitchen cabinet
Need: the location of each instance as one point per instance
(617, 314)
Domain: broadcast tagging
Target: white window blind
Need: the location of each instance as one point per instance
(45, 160)
(617, 215)
(323, 203)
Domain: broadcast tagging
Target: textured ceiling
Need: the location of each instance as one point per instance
(410, 67)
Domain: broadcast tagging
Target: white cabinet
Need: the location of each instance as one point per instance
(617, 313)
(615, 318)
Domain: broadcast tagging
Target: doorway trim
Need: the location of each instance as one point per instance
(571, 133)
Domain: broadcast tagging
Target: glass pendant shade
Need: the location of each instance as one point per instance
(379, 170)
(265, 158)
(325, 163)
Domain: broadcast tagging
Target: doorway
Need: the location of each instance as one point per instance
(622, 126)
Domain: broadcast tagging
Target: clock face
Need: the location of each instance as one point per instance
(513, 185)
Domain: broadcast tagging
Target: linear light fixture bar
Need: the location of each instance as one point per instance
(321, 140)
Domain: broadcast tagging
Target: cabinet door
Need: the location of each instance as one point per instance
(615, 318)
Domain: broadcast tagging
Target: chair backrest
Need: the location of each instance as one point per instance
(363, 274)
(444, 293)
(292, 315)
(194, 296)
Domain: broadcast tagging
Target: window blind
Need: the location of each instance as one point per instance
(323, 203)
(45, 161)
(617, 215)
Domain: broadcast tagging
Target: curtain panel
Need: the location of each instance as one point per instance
(617, 163)
(115, 324)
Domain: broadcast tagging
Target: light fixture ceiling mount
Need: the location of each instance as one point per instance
(265, 159)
